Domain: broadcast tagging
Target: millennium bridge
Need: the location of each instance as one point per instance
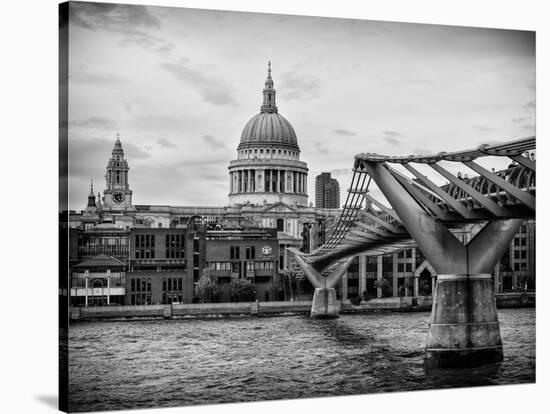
(464, 329)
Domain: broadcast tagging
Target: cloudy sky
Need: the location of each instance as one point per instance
(180, 84)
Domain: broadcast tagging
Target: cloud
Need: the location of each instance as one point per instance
(528, 127)
(132, 22)
(519, 120)
(212, 90)
(422, 151)
(163, 142)
(341, 171)
(391, 137)
(320, 148)
(121, 18)
(95, 122)
(84, 155)
(300, 86)
(483, 129)
(530, 105)
(213, 142)
(85, 77)
(344, 132)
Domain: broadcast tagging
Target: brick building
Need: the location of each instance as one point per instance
(251, 254)
(164, 264)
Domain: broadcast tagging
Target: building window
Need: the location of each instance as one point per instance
(280, 224)
(220, 265)
(145, 246)
(174, 246)
(250, 252)
(140, 291)
(263, 265)
(172, 290)
(234, 252)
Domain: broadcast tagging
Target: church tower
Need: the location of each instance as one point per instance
(117, 194)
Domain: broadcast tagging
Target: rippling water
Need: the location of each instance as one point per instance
(121, 365)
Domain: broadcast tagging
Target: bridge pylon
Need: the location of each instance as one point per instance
(464, 329)
(324, 304)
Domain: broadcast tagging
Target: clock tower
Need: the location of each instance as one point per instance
(117, 194)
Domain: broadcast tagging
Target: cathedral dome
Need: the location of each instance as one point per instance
(268, 128)
(268, 169)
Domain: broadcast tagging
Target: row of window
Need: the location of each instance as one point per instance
(90, 249)
(172, 283)
(520, 254)
(268, 151)
(404, 267)
(172, 297)
(404, 254)
(235, 252)
(140, 299)
(145, 246)
(175, 246)
(234, 267)
(105, 240)
(520, 266)
(174, 243)
(140, 284)
(520, 241)
(172, 290)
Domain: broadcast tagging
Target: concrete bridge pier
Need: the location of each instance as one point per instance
(325, 305)
(464, 329)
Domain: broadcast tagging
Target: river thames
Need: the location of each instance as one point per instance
(123, 365)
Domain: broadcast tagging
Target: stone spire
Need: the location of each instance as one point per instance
(91, 196)
(269, 105)
(118, 152)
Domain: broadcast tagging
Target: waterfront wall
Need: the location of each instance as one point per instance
(420, 303)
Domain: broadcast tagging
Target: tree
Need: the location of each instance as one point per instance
(242, 290)
(206, 286)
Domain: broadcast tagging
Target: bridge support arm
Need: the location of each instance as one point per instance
(443, 250)
(324, 303)
(464, 329)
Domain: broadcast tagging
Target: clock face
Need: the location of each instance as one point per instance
(118, 196)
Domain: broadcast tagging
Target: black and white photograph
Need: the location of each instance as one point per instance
(268, 206)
